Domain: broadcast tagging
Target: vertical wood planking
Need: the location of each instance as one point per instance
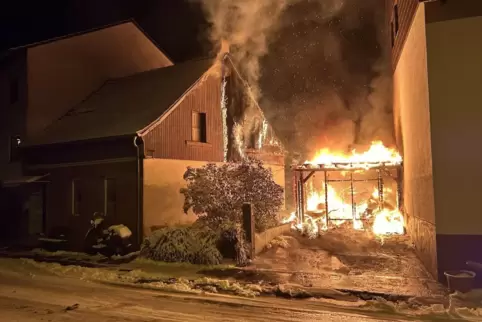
(406, 11)
(169, 139)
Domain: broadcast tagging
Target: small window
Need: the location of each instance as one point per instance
(15, 142)
(396, 19)
(13, 91)
(76, 197)
(110, 197)
(199, 127)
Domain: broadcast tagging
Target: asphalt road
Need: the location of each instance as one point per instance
(28, 297)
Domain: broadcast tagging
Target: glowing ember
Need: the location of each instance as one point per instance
(374, 213)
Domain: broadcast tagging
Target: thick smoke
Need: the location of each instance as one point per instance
(320, 68)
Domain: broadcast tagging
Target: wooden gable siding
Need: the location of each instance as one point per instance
(171, 138)
(406, 14)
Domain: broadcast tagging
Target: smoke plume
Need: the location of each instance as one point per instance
(319, 68)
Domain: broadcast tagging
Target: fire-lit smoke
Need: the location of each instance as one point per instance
(326, 80)
(246, 27)
(319, 68)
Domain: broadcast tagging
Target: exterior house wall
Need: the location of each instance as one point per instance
(90, 163)
(62, 73)
(412, 123)
(171, 139)
(11, 115)
(91, 186)
(455, 77)
(163, 202)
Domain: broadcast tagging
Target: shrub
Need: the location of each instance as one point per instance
(216, 193)
(196, 245)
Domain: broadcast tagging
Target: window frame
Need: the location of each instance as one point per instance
(75, 192)
(200, 129)
(107, 194)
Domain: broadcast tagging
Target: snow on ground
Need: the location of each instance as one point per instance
(461, 306)
(351, 260)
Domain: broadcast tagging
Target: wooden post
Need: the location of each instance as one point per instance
(248, 226)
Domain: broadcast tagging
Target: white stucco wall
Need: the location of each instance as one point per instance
(455, 79)
(163, 178)
(412, 123)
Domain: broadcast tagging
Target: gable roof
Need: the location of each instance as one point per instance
(126, 105)
(88, 31)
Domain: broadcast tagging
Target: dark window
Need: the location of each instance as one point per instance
(13, 90)
(110, 197)
(76, 197)
(15, 142)
(199, 127)
(396, 19)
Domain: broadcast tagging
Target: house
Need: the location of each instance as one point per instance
(124, 149)
(122, 132)
(437, 50)
(38, 84)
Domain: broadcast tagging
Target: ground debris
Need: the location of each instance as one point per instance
(72, 307)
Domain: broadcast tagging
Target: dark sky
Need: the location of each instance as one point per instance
(177, 26)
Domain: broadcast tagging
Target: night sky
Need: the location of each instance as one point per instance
(178, 26)
(315, 78)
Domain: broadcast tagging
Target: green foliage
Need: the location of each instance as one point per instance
(216, 193)
(196, 245)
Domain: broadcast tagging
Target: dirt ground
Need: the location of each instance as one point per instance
(349, 260)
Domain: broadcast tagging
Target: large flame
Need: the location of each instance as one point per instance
(375, 155)
(383, 218)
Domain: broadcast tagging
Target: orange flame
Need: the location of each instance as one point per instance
(385, 221)
(377, 154)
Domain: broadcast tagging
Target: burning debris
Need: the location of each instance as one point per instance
(361, 190)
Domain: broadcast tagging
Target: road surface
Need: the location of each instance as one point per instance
(27, 297)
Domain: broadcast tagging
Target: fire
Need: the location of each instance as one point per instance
(373, 213)
(375, 155)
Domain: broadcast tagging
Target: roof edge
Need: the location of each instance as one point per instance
(91, 30)
(173, 106)
(135, 23)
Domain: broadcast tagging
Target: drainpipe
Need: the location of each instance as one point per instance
(139, 144)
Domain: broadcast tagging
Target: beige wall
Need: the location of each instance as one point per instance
(412, 120)
(163, 178)
(62, 73)
(455, 78)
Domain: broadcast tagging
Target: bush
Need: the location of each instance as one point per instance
(216, 193)
(196, 245)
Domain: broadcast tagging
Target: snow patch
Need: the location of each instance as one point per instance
(121, 231)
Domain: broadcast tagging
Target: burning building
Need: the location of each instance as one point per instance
(359, 190)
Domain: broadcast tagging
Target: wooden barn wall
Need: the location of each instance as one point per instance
(406, 11)
(171, 138)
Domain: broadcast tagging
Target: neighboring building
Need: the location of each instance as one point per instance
(123, 150)
(437, 61)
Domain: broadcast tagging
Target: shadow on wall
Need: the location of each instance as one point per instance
(163, 207)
